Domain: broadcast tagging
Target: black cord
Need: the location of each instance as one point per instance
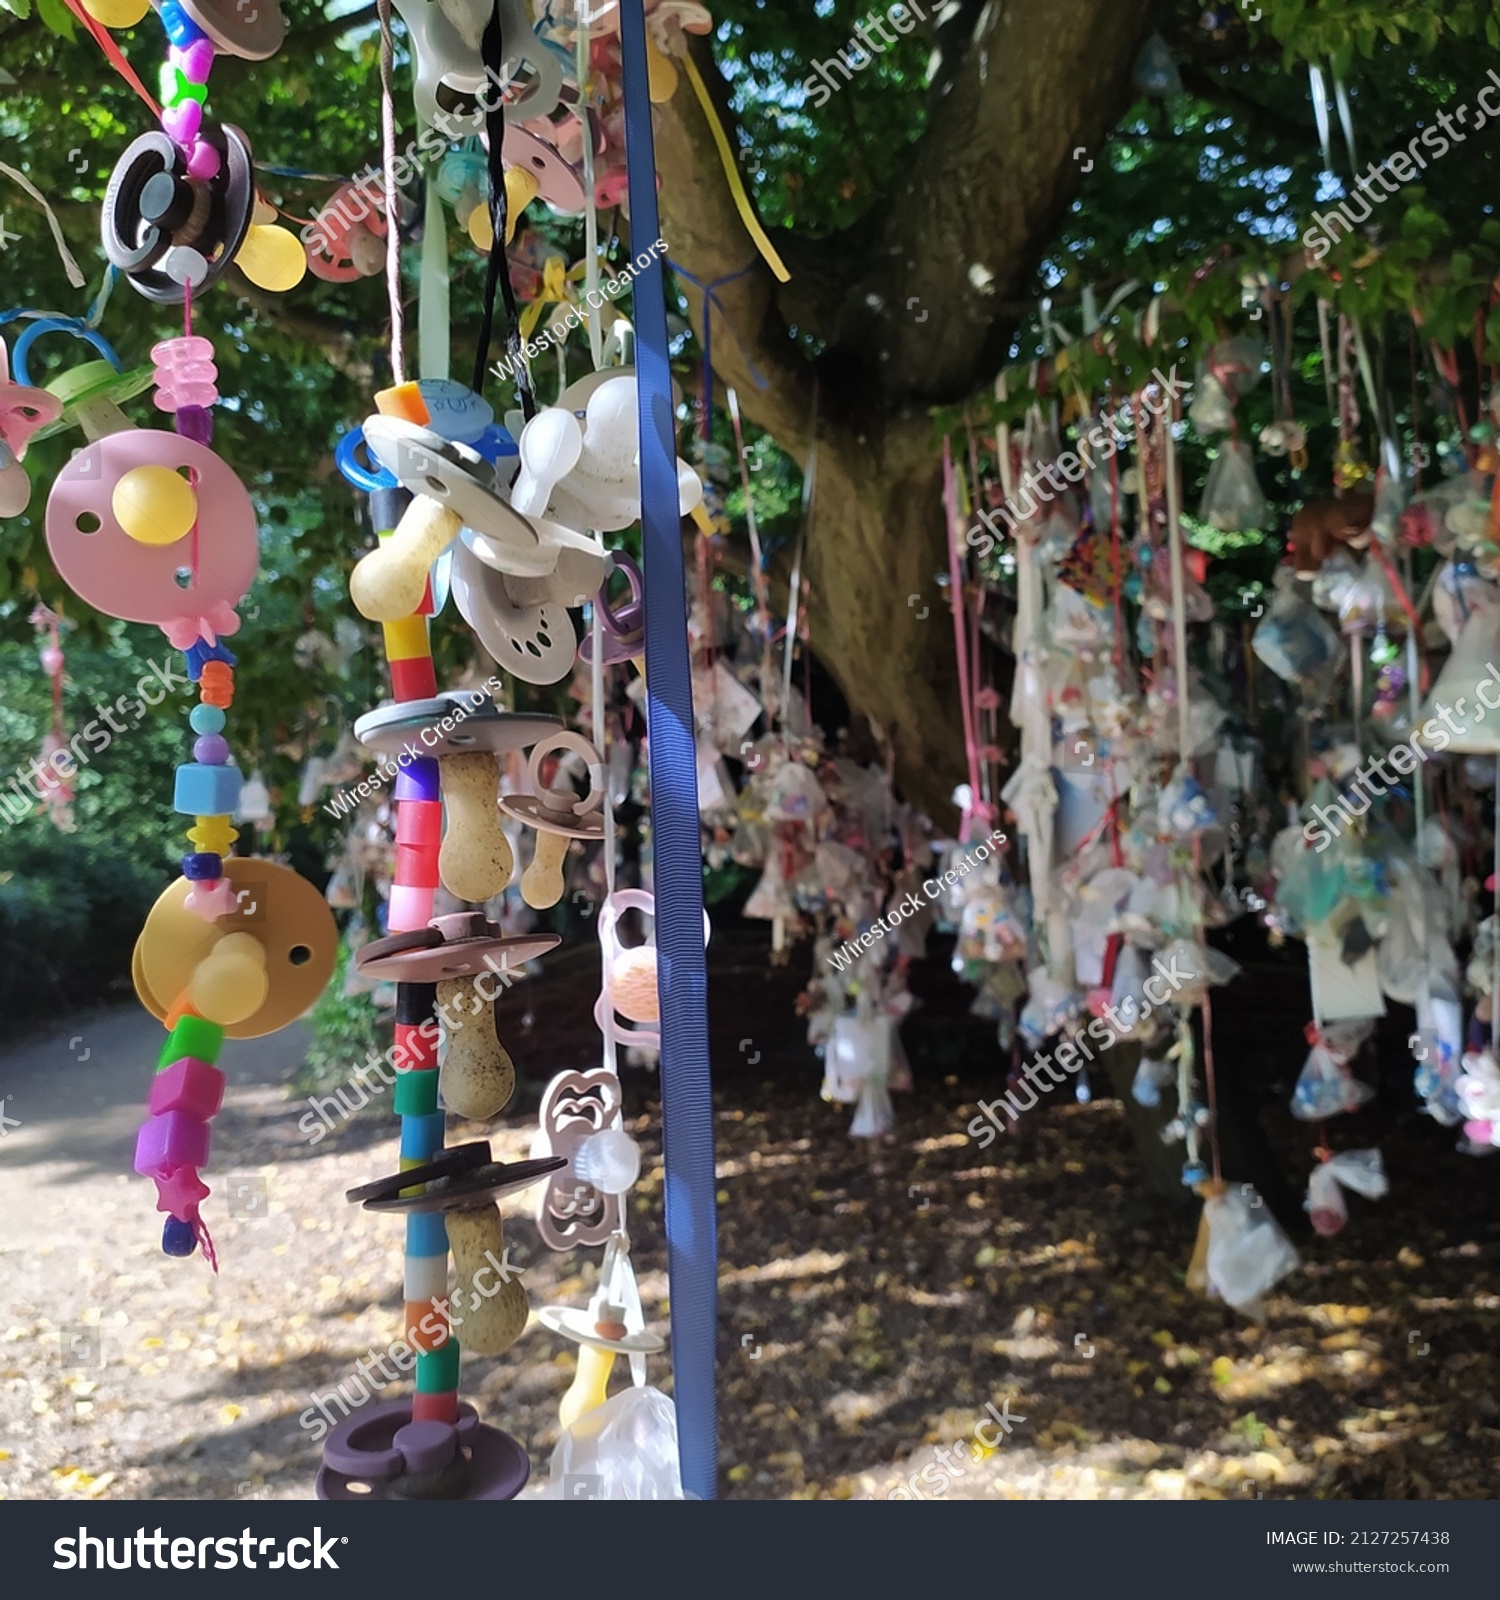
(492, 53)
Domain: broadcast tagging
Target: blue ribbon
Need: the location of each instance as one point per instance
(711, 302)
(686, 1091)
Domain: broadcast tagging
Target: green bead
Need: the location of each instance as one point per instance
(416, 1094)
(206, 719)
(193, 1036)
(437, 1370)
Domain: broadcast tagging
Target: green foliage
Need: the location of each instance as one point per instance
(345, 1028)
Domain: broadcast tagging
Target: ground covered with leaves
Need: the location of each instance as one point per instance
(877, 1303)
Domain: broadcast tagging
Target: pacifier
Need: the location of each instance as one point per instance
(451, 81)
(23, 412)
(532, 641)
(466, 734)
(623, 625)
(89, 395)
(586, 473)
(453, 487)
(347, 237)
(117, 519)
(255, 34)
(558, 816)
(630, 987)
(167, 230)
(259, 967)
(574, 1209)
(384, 1453)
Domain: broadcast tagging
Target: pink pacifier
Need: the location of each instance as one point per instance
(165, 562)
(630, 987)
(23, 411)
(623, 625)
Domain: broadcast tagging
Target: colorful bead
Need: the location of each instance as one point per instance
(211, 899)
(413, 679)
(191, 1036)
(178, 1238)
(200, 653)
(182, 31)
(437, 1370)
(214, 833)
(421, 1137)
(207, 791)
(206, 719)
(185, 370)
(212, 749)
(419, 780)
(425, 1328)
(216, 683)
(410, 906)
(416, 1094)
(188, 1085)
(435, 1407)
(203, 866)
(170, 1141)
(425, 1278)
(426, 1234)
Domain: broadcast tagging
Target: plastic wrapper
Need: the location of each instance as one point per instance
(1232, 497)
(1292, 638)
(858, 1048)
(1247, 1251)
(1360, 1170)
(1335, 578)
(628, 1446)
(1326, 1087)
(1050, 1006)
(1184, 807)
(1151, 1077)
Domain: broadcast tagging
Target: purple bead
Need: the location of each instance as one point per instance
(203, 866)
(419, 780)
(212, 749)
(195, 423)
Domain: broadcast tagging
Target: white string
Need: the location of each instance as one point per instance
(392, 208)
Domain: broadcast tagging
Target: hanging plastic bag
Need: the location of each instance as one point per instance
(1292, 639)
(1151, 1077)
(1360, 1170)
(1247, 1251)
(627, 1446)
(1326, 1087)
(1479, 1099)
(1232, 498)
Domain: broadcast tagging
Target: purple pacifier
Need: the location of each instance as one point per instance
(624, 627)
(384, 1455)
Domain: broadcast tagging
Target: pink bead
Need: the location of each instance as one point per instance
(170, 1141)
(188, 1085)
(211, 900)
(197, 61)
(203, 161)
(182, 123)
(410, 907)
(185, 373)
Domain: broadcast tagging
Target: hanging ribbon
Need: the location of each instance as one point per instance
(732, 173)
(70, 266)
(556, 289)
(686, 1093)
(711, 302)
(974, 805)
(434, 323)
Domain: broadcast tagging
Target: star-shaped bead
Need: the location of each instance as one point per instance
(180, 1193)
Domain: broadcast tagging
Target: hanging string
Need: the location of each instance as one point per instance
(955, 578)
(70, 266)
(100, 35)
(794, 596)
(497, 274)
(712, 302)
(392, 205)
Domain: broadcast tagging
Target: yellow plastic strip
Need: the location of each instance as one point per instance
(732, 173)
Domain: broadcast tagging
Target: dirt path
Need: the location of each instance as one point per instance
(873, 1304)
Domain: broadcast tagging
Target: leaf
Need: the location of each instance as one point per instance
(17, 8)
(57, 17)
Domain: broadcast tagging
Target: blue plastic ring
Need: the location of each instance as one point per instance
(361, 476)
(58, 325)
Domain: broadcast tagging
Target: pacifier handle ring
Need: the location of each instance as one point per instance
(71, 325)
(562, 800)
(371, 480)
(612, 619)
